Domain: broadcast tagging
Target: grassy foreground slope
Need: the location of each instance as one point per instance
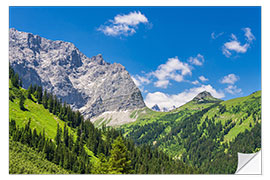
(40, 117)
(25, 160)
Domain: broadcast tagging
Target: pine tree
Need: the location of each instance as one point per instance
(45, 99)
(30, 88)
(35, 138)
(50, 103)
(35, 89)
(55, 105)
(66, 137)
(58, 135)
(102, 166)
(15, 80)
(27, 126)
(29, 92)
(119, 162)
(81, 143)
(39, 94)
(20, 82)
(70, 141)
(100, 148)
(21, 103)
(11, 72)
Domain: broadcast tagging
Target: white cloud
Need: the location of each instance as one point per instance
(234, 45)
(198, 60)
(215, 36)
(226, 52)
(168, 101)
(232, 89)
(195, 82)
(248, 34)
(230, 79)
(173, 69)
(136, 81)
(140, 81)
(234, 37)
(132, 19)
(116, 30)
(203, 79)
(123, 24)
(162, 83)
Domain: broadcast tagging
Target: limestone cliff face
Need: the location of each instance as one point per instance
(89, 84)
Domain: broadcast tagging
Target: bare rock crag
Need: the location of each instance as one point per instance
(90, 85)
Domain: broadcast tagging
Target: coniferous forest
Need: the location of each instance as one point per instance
(203, 143)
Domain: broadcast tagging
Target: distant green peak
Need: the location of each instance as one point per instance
(205, 97)
(202, 95)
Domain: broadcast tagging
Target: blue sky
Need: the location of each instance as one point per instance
(172, 53)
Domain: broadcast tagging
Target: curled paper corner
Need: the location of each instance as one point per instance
(249, 163)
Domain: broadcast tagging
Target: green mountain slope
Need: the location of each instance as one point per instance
(241, 113)
(30, 157)
(40, 117)
(25, 160)
(201, 130)
(152, 126)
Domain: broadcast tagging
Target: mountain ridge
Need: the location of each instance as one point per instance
(117, 119)
(90, 85)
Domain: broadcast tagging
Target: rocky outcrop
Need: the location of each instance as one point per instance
(205, 97)
(89, 84)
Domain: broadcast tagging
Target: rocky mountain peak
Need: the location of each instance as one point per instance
(99, 60)
(155, 108)
(205, 97)
(90, 85)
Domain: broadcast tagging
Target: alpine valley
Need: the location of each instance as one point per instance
(70, 114)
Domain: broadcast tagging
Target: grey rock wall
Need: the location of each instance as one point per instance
(89, 84)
